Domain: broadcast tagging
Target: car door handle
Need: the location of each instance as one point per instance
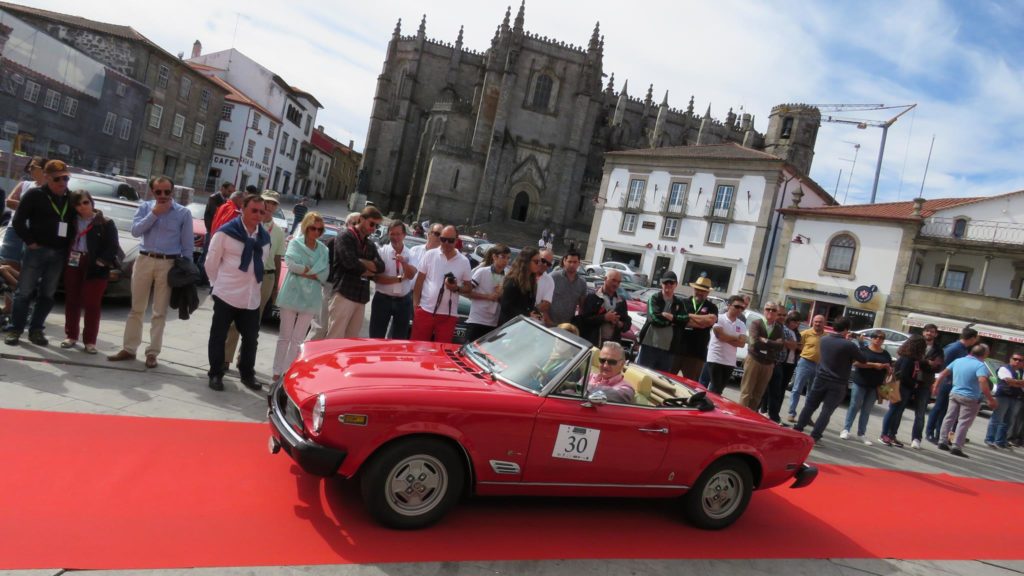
(655, 430)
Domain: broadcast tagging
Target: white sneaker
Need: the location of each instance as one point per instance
(844, 434)
(864, 440)
(916, 444)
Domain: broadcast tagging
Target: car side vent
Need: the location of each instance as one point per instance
(454, 357)
(502, 467)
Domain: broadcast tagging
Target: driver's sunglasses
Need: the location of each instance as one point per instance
(608, 361)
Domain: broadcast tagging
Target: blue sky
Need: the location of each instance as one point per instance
(958, 61)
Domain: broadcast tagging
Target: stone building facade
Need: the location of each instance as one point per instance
(342, 168)
(183, 107)
(514, 137)
(91, 117)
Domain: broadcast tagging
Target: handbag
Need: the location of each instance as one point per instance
(890, 389)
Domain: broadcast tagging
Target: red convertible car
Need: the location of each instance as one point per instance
(422, 424)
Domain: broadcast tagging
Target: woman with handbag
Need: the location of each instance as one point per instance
(908, 365)
(91, 256)
(867, 377)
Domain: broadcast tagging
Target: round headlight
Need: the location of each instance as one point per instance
(318, 412)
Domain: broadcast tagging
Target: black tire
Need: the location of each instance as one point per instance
(412, 483)
(720, 495)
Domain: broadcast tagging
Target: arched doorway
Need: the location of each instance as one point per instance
(521, 206)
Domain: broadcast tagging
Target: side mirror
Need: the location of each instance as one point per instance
(596, 398)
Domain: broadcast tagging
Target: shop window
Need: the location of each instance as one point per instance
(841, 250)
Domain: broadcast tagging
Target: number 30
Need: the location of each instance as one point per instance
(578, 445)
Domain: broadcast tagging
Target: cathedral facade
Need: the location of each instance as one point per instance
(511, 140)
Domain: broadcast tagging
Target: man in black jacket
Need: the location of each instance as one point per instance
(604, 315)
(42, 220)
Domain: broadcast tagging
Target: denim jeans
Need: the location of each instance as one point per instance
(1001, 419)
(396, 310)
(861, 401)
(939, 408)
(826, 394)
(41, 266)
(802, 377)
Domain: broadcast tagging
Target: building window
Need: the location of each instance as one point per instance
(156, 115)
(309, 122)
(291, 153)
(255, 121)
(52, 101)
(179, 126)
(959, 227)
(70, 107)
(676, 197)
(721, 207)
(720, 276)
(126, 129)
(628, 223)
(108, 124)
(273, 131)
(716, 233)
(542, 92)
(957, 280)
(220, 140)
(32, 91)
(671, 229)
(122, 88)
(250, 148)
(840, 254)
(225, 112)
(266, 155)
(293, 115)
(163, 74)
(635, 198)
(284, 142)
(204, 100)
(455, 179)
(185, 88)
(197, 134)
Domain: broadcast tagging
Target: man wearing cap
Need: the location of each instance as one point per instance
(690, 343)
(665, 312)
(272, 256)
(42, 221)
(166, 231)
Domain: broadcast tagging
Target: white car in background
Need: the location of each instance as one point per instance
(629, 273)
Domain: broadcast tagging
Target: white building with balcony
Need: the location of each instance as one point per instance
(698, 211)
(953, 262)
(296, 109)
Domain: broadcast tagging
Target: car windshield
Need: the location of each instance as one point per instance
(121, 214)
(524, 354)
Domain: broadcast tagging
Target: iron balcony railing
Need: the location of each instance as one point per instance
(718, 212)
(974, 231)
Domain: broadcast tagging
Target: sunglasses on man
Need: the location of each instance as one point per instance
(64, 178)
(608, 361)
(448, 240)
(162, 192)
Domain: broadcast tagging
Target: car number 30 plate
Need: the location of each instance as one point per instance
(576, 443)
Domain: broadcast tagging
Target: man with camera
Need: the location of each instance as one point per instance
(443, 274)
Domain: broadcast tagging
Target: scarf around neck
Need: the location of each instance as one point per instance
(252, 247)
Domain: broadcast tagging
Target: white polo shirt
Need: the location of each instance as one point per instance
(545, 289)
(434, 266)
(392, 268)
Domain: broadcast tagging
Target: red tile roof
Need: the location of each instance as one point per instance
(900, 211)
(326, 144)
(233, 94)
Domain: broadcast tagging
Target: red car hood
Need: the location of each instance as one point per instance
(330, 365)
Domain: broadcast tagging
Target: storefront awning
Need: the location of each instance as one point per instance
(999, 333)
(944, 324)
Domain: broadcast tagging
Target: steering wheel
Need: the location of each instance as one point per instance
(675, 402)
(697, 398)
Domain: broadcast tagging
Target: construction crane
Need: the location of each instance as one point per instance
(863, 124)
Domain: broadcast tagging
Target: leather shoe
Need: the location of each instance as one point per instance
(251, 384)
(150, 360)
(12, 338)
(36, 337)
(217, 383)
(120, 356)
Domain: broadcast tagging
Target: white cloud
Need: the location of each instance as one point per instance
(948, 58)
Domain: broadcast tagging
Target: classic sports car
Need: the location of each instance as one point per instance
(423, 424)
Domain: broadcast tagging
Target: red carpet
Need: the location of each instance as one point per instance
(85, 491)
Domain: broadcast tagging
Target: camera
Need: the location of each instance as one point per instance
(449, 278)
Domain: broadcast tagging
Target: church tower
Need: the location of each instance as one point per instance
(792, 133)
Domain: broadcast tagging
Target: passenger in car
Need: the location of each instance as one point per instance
(609, 378)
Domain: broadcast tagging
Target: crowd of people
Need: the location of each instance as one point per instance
(59, 234)
(778, 354)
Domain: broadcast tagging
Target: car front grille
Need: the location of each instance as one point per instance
(290, 409)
